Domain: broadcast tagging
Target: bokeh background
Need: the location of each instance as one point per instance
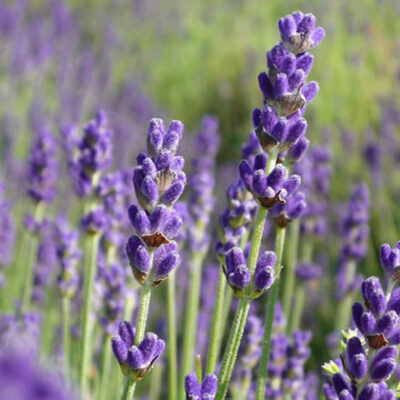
(61, 61)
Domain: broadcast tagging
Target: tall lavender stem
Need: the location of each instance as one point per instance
(216, 325)
(172, 351)
(91, 264)
(33, 249)
(269, 319)
(290, 267)
(242, 311)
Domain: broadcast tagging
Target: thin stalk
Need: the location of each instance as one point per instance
(91, 265)
(31, 261)
(66, 311)
(242, 311)
(269, 318)
(129, 389)
(298, 308)
(220, 316)
(105, 368)
(156, 381)
(344, 312)
(129, 307)
(143, 313)
(172, 351)
(232, 348)
(295, 319)
(141, 323)
(190, 322)
(290, 270)
(216, 325)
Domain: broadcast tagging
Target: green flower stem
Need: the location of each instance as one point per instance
(295, 319)
(298, 308)
(89, 275)
(222, 307)
(140, 325)
(190, 324)
(129, 388)
(269, 318)
(66, 311)
(290, 270)
(232, 348)
(156, 381)
(242, 311)
(143, 313)
(172, 352)
(105, 369)
(216, 325)
(343, 315)
(32, 255)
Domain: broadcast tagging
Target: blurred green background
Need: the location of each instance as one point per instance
(197, 57)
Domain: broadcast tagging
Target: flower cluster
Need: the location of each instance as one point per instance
(379, 322)
(95, 153)
(390, 260)
(315, 172)
(136, 361)
(286, 93)
(42, 170)
(202, 182)
(113, 294)
(206, 391)
(69, 255)
(267, 190)
(239, 277)
(355, 231)
(356, 377)
(159, 181)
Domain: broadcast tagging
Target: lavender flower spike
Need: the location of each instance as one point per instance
(298, 32)
(267, 190)
(42, 174)
(166, 258)
(238, 274)
(206, 391)
(136, 361)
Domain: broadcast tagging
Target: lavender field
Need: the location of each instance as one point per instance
(199, 200)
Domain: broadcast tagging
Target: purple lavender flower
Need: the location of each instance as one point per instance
(42, 173)
(238, 275)
(201, 181)
(159, 177)
(315, 172)
(355, 231)
(114, 293)
(294, 206)
(22, 378)
(159, 181)
(267, 190)
(136, 361)
(114, 193)
(90, 154)
(69, 255)
(379, 321)
(45, 263)
(206, 391)
(95, 221)
(7, 233)
(357, 377)
(166, 258)
(299, 33)
(286, 368)
(390, 260)
(284, 87)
